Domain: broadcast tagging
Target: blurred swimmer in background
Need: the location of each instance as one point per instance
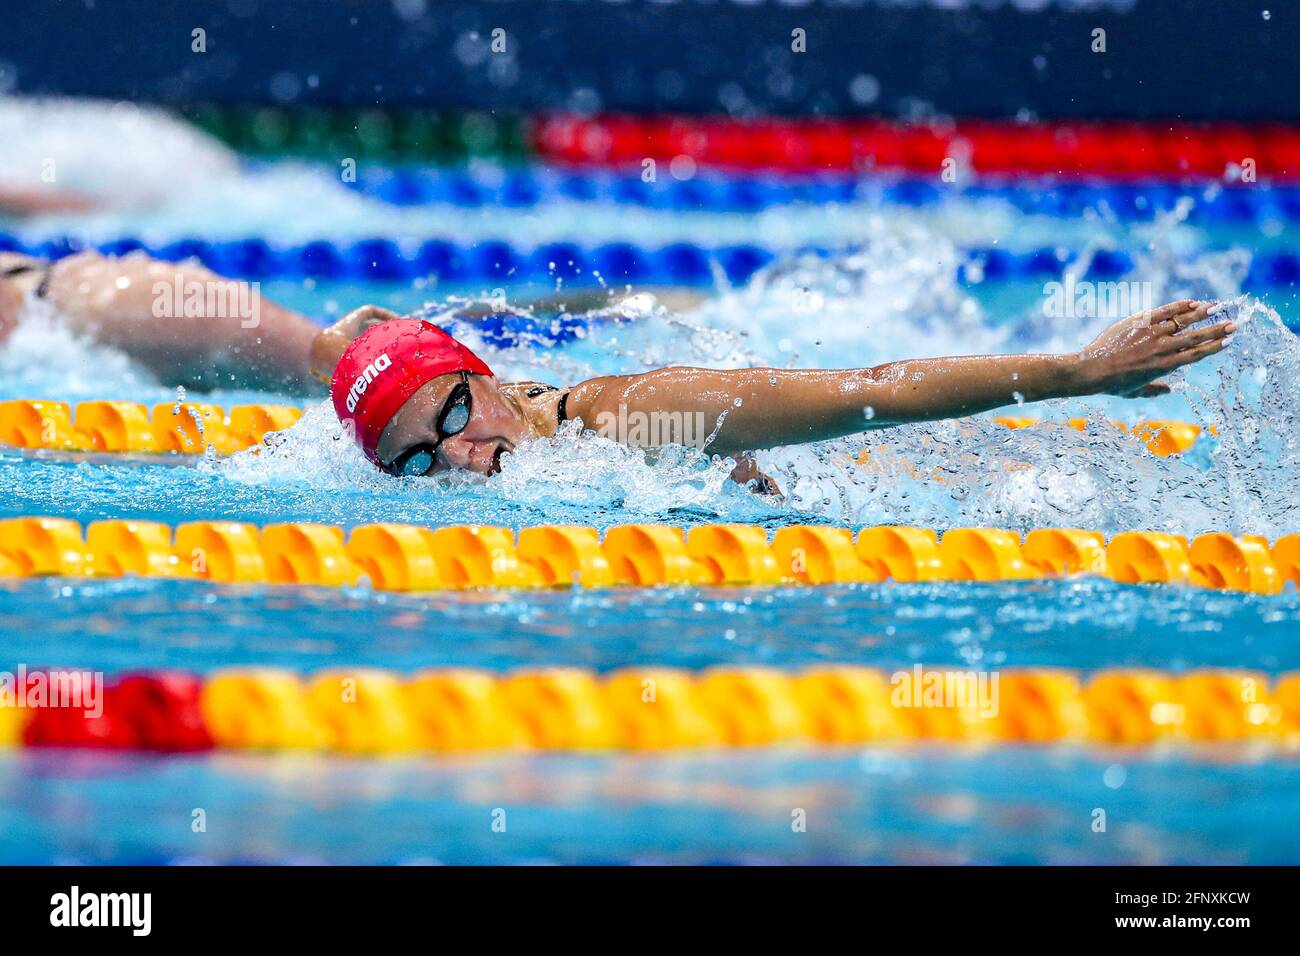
(60, 156)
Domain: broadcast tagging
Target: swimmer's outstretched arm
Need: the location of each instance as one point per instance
(786, 407)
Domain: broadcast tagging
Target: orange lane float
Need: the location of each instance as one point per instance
(397, 557)
(185, 428)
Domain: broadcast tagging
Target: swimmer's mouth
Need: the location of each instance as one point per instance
(496, 461)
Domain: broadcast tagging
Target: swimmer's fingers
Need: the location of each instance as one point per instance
(358, 320)
(1197, 352)
(1175, 324)
(330, 342)
(1170, 312)
(1150, 390)
(1209, 333)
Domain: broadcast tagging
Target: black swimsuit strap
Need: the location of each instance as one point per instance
(561, 411)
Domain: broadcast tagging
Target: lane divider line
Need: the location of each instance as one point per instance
(191, 428)
(678, 263)
(644, 708)
(400, 557)
(1121, 150)
(184, 428)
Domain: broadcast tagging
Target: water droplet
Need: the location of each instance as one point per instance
(865, 89)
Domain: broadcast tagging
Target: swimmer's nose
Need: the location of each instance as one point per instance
(458, 451)
(470, 455)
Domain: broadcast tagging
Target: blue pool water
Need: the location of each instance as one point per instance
(911, 806)
(898, 296)
(1086, 624)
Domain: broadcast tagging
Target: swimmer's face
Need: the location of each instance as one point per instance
(494, 427)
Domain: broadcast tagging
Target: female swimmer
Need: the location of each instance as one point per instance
(417, 401)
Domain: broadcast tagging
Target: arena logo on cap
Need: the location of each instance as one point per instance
(367, 376)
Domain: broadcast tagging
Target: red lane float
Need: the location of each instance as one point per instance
(80, 719)
(1112, 149)
(163, 710)
(143, 711)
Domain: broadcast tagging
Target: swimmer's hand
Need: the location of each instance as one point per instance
(1128, 357)
(328, 346)
(748, 473)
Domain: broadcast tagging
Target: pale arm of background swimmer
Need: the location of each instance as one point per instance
(785, 407)
(139, 305)
(33, 202)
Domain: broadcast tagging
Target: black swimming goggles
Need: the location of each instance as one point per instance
(418, 460)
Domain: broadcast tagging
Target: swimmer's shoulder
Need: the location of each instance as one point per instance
(541, 404)
(545, 407)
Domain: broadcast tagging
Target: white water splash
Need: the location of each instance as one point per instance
(543, 471)
(975, 472)
(896, 296)
(43, 358)
(315, 452)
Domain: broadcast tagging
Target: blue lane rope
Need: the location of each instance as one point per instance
(681, 263)
(616, 263)
(529, 186)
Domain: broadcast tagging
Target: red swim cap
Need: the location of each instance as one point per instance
(384, 366)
